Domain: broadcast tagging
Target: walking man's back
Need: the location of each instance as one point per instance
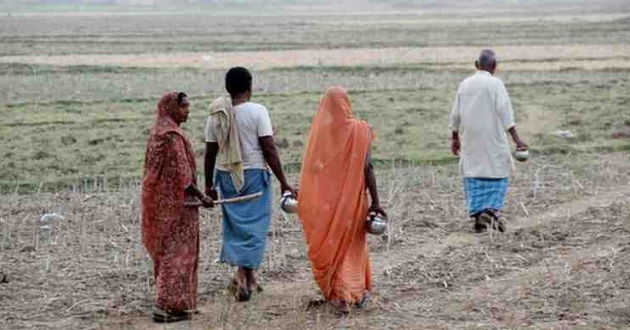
(253, 121)
(240, 147)
(481, 114)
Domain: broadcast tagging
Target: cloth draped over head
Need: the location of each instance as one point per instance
(169, 167)
(170, 231)
(229, 156)
(333, 201)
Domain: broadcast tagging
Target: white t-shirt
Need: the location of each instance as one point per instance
(252, 120)
(482, 113)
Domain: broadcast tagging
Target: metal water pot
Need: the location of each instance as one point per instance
(521, 155)
(376, 224)
(288, 202)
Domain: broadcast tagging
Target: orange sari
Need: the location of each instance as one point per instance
(333, 201)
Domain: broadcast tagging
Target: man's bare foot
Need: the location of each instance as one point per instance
(239, 288)
(252, 283)
(494, 220)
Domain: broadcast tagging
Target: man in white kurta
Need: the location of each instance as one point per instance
(481, 115)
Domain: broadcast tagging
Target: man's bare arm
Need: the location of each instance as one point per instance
(210, 158)
(270, 152)
(455, 145)
(520, 145)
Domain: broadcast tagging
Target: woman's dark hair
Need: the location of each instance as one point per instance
(180, 98)
(238, 80)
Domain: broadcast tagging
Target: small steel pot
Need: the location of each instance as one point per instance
(376, 224)
(521, 155)
(288, 203)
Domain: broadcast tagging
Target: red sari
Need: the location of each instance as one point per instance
(170, 231)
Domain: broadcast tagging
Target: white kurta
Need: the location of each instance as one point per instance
(482, 113)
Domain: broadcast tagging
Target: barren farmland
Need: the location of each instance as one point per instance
(80, 85)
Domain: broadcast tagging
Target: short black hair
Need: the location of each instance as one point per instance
(180, 98)
(238, 80)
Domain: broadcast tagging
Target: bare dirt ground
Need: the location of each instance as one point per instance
(580, 56)
(562, 265)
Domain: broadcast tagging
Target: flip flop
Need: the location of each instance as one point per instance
(160, 316)
(363, 303)
(479, 225)
(489, 220)
(314, 303)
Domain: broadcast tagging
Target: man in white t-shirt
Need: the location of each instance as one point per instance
(245, 172)
(481, 114)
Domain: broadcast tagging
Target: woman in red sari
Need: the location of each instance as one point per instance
(170, 229)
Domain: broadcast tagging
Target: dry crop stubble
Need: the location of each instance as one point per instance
(90, 267)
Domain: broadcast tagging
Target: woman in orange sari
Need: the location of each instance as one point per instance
(333, 203)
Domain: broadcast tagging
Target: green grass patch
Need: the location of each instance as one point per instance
(66, 142)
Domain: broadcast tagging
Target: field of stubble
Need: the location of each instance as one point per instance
(80, 85)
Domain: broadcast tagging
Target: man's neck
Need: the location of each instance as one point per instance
(239, 100)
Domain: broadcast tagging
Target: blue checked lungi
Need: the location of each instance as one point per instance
(245, 224)
(485, 193)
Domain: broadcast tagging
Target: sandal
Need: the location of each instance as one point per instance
(160, 316)
(479, 225)
(315, 303)
(363, 303)
(497, 222)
